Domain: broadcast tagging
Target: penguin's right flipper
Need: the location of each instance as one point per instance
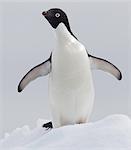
(38, 71)
(102, 64)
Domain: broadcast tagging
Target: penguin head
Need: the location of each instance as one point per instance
(55, 16)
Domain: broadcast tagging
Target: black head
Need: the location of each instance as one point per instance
(55, 16)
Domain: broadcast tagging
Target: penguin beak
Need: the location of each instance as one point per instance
(44, 13)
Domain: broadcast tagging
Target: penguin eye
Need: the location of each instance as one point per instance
(57, 15)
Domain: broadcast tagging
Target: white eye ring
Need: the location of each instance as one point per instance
(57, 15)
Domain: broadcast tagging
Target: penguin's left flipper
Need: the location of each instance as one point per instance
(38, 71)
(101, 64)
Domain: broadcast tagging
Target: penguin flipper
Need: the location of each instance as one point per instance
(101, 64)
(38, 71)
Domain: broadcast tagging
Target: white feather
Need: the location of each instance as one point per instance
(71, 89)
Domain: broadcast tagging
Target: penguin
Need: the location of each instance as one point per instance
(71, 89)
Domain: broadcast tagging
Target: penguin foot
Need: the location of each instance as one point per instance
(48, 125)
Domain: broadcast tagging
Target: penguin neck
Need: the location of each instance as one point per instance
(69, 29)
(64, 34)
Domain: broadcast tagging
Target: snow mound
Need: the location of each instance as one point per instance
(110, 133)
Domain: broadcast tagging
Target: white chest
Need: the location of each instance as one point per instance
(70, 62)
(70, 79)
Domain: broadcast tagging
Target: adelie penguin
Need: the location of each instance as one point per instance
(71, 90)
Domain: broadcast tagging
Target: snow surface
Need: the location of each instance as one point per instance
(110, 133)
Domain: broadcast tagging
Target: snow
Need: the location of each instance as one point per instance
(110, 133)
